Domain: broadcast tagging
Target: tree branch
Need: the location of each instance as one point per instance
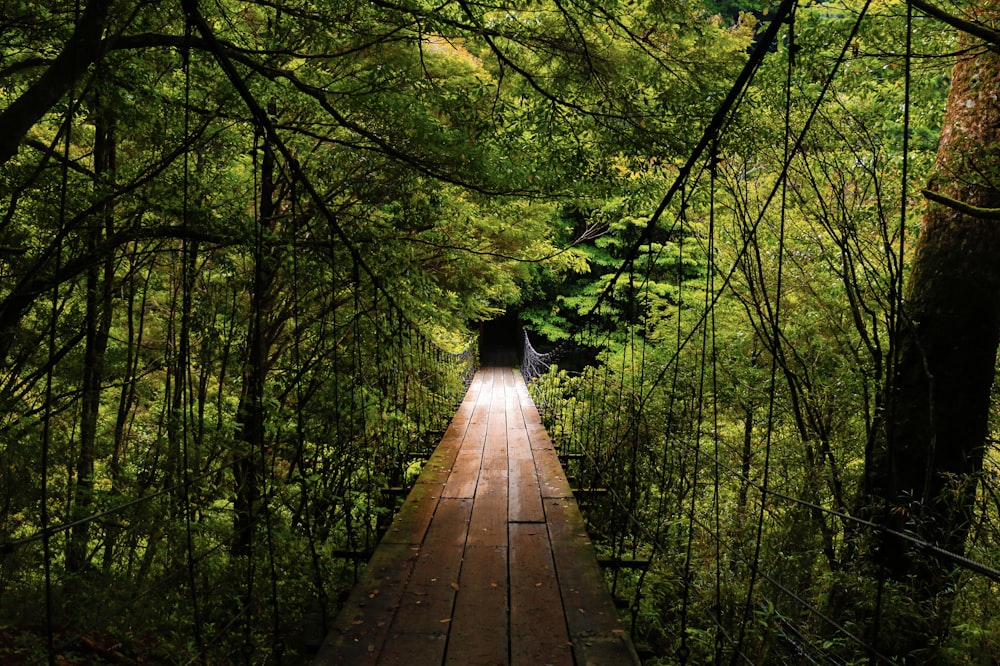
(962, 207)
(80, 52)
(975, 29)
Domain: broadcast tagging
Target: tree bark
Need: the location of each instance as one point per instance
(922, 476)
(97, 324)
(250, 415)
(81, 51)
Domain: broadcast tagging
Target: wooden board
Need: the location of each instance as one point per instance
(488, 561)
(410, 649)
(479, 629)
(591, 615)
(525, 504)
(488, 526)
(411, 522)
(550, 472)
(537, 622)
(465, 474)
(427, 602)
(361, 628)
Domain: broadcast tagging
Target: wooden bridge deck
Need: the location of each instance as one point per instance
(488, 561)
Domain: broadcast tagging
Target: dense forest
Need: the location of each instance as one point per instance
(247, 248)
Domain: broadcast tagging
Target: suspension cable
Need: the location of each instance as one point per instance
(48, 412)
(774, 315)
(182, 364)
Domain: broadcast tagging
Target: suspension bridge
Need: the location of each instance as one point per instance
(260, 446)
(488, 561)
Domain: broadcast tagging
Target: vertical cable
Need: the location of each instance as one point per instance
(775, 325)
(684, 651)
(709, 301)
(624, 422)
(359, 402)
(264, 218)
(184, 339)
(46, 443)
(49, 392)
(896, 298)
(646, 308)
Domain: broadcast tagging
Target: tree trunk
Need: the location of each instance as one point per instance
(97, 329)
(251, 408)
(81, 51)
(922, 477)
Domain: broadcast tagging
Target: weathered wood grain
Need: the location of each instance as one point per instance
(488, 561)
(540, 634)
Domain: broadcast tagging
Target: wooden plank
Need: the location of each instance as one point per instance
(479, 630)
(486, 377)
(590, 611)
(512, 401)
(410, 649)
(495, 448)
(463, 414)
(537, 622)
(497, 405)
(518, 446)
(361, 627)
(438, 466)
(454, 434)
(475, 437)
(481, 412)
(525, 495)
(465, 470)
(530, 413)
(550, 471)
(515, 420)
(427, 602)
(488, 525)
(468, 403)
(498, 410)
(464, 475)
(604, 651)
(523, 393)
(436, 470)
(539, 437)
(411, 522)
(529, 410)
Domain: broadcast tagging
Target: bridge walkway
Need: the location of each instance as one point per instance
(488, 561)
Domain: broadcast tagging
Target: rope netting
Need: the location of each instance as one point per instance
(718, 437)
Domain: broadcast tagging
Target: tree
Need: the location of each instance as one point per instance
(923, 474)
(246, 346)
